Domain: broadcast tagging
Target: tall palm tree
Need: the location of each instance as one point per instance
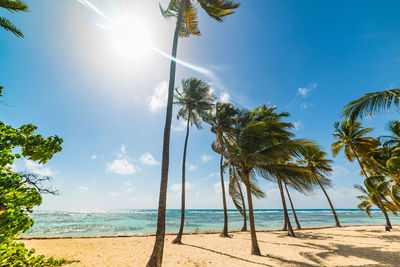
(371, 103)
(315, 159)
(256, 148)
(221, 121)
(195, 100)
(186, 24)
(12, 6)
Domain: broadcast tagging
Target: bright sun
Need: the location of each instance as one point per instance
(130, 37)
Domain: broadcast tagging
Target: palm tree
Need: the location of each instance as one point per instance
(369, 104)
(315, 159)
(236, 193)
(221, 121)
(195, 101)
(350, 135)
(186, 24)
(12, 6)
(298, 226)
(297, 177)
(374, 194)
(256, 148)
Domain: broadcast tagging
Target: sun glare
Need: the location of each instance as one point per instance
(131, 37)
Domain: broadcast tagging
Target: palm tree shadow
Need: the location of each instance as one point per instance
(254, 262)
(368, 253)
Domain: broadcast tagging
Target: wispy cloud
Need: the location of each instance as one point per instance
(298, 125)
(180, 127)
(206, 158)
(148, 160)
(225, 97)
(192, 167)
(113, 194)
(122, 165)
(305, 91)
(37, 168)
(158, 100)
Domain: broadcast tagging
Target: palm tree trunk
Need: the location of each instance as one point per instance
(331, 205)
(244, 227)
(178, 239)
(224, 232)
(158, 249)
(382, 208)
(380, 204)
(255, 250)
(289, 225)
(294, 212)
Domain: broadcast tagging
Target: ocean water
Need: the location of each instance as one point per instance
(143, 222)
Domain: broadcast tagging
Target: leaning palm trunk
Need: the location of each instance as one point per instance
(380, 204)
(382, 208)
(331, 205)
(294, 212)
(224, 232)
(178, 239)
(157, 254)
(287, 220)
(244, 227)
(255, 250)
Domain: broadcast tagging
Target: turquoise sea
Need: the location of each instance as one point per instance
(143, 222)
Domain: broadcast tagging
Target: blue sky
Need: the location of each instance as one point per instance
(68, 77)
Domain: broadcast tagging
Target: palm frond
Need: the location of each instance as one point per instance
(370, 104)
(9, 26)
(14, 5)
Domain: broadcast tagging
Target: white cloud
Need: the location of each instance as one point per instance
(37, 168)
(339, 171)
(304, 91)
(214, 174)
(158, 100)
(121, 165)
(82, 188)
(128, 183)
(113, 194)
(206, 158)
(298, 125)
(94, 156)
(192, 167)
(129, 189)
(218, 187)
(148, 159)
(177, 188)
(181, 127)
(225, 97)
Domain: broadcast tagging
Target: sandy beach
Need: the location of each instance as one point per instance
(346, 246)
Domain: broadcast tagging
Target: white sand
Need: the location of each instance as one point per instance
(346, 246)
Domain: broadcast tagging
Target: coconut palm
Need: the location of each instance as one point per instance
(371, 103)
(374, 193)
(12, 6)
(186, 24)
(195, 100)
(351, 136)
(221, 121)
(315, 159)
(236, 193)
(298, 177)
(298, 226)
(257, 146)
